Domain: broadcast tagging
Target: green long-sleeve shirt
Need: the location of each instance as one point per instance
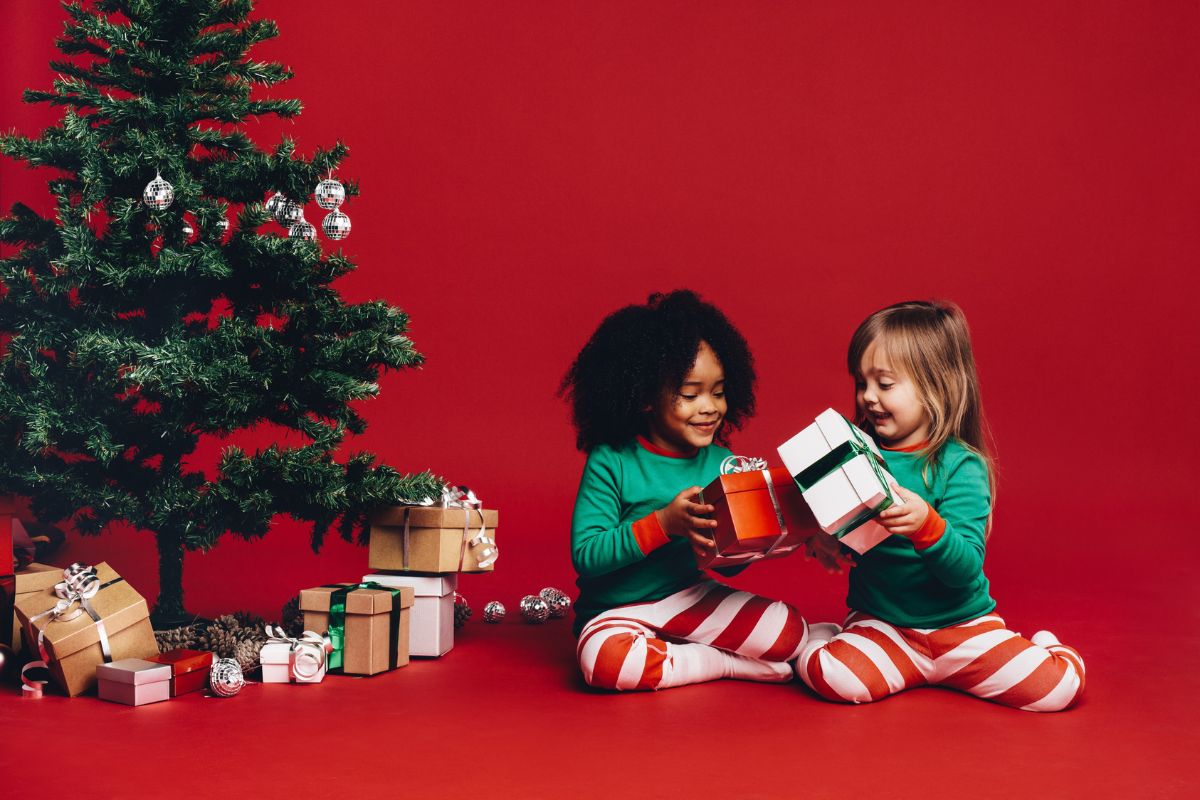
(619, 550)
(931, 585)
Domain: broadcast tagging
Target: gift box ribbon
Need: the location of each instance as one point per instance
(79, 585)
(835, 459)
(458, 497)
(307, 653)
(337, 620)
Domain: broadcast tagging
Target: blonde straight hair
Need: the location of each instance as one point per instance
(929, 341)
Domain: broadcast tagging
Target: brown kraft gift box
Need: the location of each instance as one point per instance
(73, 646)
(34, 578)
(435, 539)
(366, 650)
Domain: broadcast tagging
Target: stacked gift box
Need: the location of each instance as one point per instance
(424, 549)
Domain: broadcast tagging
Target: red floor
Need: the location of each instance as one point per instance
(504, 715)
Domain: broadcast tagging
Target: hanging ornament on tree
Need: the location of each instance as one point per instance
(558, 601)
(225, 677)
(330, 194)
(336, 225)
(493, 612)
(275, 203)
(290, 212)
(534, 609)
(462, 610)
(303, 230)
(158, 194)
(223, 225)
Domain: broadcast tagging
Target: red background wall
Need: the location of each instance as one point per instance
(528, 167)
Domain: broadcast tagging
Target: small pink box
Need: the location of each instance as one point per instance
(134, 682)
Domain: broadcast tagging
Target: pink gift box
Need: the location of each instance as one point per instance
(134, 681)
(431, 633)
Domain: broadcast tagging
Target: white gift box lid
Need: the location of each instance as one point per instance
(829, 430)
(422, 585)
(136, 671)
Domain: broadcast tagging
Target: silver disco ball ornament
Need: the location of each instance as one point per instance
(330, 194)
(493, 612)
(336, 225)
(534, 609)
(558, 601)
(303, 230)
(225, 677)
(290, 212)
(158, 194)
(275, 203)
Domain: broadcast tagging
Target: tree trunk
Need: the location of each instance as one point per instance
(169, 611)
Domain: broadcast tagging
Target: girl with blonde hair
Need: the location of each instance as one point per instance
(920, 609)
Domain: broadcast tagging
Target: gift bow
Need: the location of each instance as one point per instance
(307, 653)
(80, 584)
(734, 464)
(460, 497)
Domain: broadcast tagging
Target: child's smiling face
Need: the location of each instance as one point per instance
(889, 399)
(686, 420)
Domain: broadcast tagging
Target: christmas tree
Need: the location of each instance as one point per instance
(133, 325)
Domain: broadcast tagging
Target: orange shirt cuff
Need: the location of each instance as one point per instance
(649, 533)
(930, 531)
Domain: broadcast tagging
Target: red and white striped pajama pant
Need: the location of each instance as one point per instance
(643, 646)
(872, 659)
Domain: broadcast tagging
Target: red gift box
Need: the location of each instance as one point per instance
(189, 669)
(760, 514)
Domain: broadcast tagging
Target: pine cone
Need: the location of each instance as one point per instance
(462, 610)
(181, 638)
(293, 617)
(249, 621)
(219, 640)
(246, 653)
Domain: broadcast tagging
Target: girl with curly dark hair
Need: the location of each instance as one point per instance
(653, 395)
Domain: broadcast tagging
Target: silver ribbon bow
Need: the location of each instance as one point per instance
(307, 654)
(79, 585)
(734, 464)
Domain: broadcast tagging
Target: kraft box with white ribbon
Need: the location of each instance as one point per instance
(459, 535)
(91, 616)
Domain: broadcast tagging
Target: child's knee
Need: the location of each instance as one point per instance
(603, 663)
(831, 679)
(792, 633)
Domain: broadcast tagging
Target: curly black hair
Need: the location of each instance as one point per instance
(640, 349)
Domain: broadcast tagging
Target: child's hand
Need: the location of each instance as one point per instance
(907, 516)
(681, 519)
(828, 552)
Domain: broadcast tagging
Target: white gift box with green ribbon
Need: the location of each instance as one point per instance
(842, 477)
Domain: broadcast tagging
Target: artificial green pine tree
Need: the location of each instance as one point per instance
(126, 339)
